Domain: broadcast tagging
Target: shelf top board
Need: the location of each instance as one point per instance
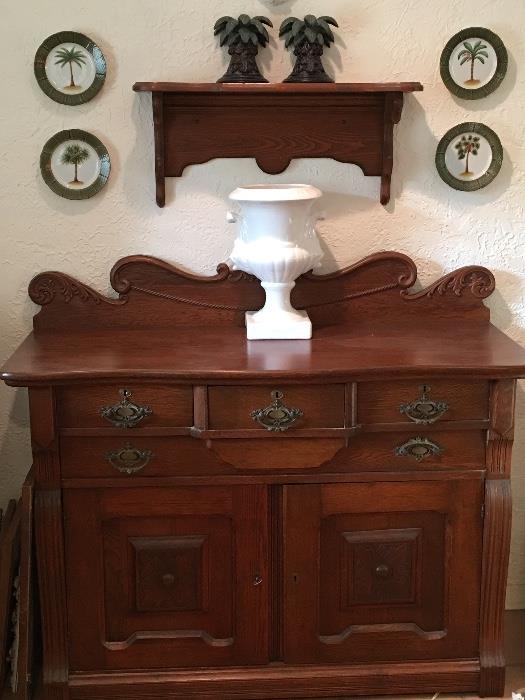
(276, 88)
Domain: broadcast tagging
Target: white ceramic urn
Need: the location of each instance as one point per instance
(277, 243)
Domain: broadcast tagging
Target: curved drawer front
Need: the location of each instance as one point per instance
(422, 403)
(127, 406)
(276, 407)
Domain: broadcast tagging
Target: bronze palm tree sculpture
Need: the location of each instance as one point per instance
(308, 37)
(243, 36)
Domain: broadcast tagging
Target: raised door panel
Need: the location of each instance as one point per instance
(167, 578)
(382, 571)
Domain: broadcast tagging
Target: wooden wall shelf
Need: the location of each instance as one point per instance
(275, 123)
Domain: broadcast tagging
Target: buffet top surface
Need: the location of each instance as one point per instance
(223, 354)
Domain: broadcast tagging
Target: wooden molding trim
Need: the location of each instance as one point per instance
(260, 683)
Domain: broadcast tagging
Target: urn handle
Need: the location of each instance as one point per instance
(129, 459)
(424, 410)
(276, 417)
(419, 448)
(125, 414)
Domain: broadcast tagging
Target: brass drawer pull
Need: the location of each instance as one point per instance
(424, 410)
(125, 414)
(419, 448)
(277, 417)
(129, 459)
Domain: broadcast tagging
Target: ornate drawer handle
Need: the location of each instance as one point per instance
(125, 414)
(277, 417)
(129, 459)
(424, 410)
(419, 448)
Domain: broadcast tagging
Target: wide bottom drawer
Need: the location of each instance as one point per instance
(107, 457)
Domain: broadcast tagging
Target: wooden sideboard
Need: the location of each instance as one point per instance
(220, 518)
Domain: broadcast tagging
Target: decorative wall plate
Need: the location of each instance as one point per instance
(473, 63)
(70, 68)
(75, 164)
(469, 156)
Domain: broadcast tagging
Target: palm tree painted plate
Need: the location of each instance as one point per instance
(469, 156)
(473, 63)
(75, 164)
(70, 68)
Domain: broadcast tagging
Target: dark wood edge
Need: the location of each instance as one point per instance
(25, 671)
(496, 551)
(237, 377)
(274, 477)
(261, 433)
(158, 122)
(9, 562)
(283, 681)
(265, 88)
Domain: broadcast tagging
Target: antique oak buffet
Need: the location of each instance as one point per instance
(218, 518)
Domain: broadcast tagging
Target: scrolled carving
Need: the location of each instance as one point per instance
(44, 288)
(478, 281)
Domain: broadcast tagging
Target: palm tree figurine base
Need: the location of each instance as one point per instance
(308, 67)
(243, 67)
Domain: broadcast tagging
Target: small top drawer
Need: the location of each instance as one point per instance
(422, 403)
(125, 406)
(267, 406)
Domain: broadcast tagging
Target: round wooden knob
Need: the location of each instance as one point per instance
(382, 571)
(168, 580)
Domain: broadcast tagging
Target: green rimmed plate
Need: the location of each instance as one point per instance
(70, 68)
(75, 164)
(469, 156)
(473, 63)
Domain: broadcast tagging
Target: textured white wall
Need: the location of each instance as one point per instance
(380, 40)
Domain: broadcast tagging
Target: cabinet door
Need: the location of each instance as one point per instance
(165, 578)
(382, 571)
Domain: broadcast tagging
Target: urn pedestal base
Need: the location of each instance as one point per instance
(296, 326)
(278, 320)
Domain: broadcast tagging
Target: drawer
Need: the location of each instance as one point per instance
(313, 406)
(130, 455)
(415, 450)
(418, 402)
(143, 405)
(137, 456)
